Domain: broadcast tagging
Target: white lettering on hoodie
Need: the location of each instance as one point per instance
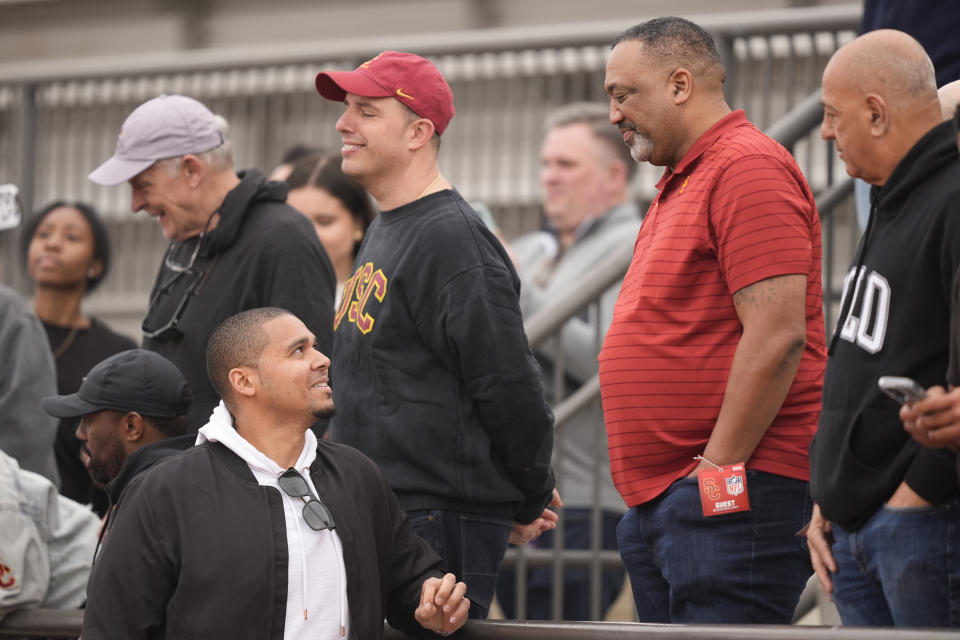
(316, 576)
(866, 323)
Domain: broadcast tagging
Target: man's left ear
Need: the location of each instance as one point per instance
(681, 85)
(242, 381)
(423, 131)
(194, 169)
(132, 426)
(878, 114)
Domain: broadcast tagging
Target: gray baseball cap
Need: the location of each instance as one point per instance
(165, 127)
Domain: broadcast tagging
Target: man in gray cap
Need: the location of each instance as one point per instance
(132, 409)
(235, 243)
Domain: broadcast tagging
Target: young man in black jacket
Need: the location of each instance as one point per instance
(260, 531)
(892, 505)
(435, 379)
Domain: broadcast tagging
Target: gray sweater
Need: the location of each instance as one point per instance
(543, 275)
(27, 376)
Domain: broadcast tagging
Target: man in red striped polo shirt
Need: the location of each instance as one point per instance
(716, 350)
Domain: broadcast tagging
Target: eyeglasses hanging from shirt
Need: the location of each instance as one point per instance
(178, 276)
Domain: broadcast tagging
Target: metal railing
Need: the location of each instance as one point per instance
(51, 623)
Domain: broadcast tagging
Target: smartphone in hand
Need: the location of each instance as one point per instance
(903, 390)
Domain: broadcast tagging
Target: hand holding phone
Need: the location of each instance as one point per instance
(903, 390)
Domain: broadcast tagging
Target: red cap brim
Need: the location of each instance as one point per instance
(335, 85)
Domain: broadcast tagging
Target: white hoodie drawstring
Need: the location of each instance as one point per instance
(333, 546)
(303, 558)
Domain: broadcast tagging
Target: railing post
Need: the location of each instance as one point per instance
(728, 58)
(24, 151)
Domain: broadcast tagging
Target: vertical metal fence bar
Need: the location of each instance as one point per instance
(766, 96)
(729, 59)
(599, 452)
(559, 393)
(790, 72)
(831, 244)
(26, 144)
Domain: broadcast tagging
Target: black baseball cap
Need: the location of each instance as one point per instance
(135, 380)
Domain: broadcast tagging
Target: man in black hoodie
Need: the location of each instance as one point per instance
(132, 409)
(892, 505)
(235, 243)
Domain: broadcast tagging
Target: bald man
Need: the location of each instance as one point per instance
(884, 528)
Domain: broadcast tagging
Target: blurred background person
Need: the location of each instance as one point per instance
(290, 156)
(339, 208)
(585, 173)
(46, 543)
(27, 375)
(67, 255)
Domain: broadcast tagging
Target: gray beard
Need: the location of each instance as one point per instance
(641, 148)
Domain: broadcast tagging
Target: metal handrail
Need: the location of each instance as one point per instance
(797, 123)
(546, 322)
(52, 623)
(504, 630)
(42, 623)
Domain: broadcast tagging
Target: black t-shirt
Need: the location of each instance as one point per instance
(86, 349)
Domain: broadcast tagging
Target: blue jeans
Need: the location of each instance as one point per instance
(746, 567)
(902, 568)
(472, 548)
(576, 582)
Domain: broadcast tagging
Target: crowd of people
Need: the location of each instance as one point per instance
(334, 417)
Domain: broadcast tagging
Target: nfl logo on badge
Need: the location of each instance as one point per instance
(735, 485)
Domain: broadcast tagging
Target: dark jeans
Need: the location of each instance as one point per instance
(472, 547)
(902, 568)
(576, 582)
(746, 567)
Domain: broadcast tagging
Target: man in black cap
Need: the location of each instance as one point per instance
(132, 409)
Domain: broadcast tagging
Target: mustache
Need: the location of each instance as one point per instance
(627, 126)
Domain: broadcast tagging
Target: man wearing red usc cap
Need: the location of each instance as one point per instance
(434, 377)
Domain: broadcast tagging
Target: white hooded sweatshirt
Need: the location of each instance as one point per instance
(316, 578)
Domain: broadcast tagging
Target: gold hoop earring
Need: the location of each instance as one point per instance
(357, 235)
